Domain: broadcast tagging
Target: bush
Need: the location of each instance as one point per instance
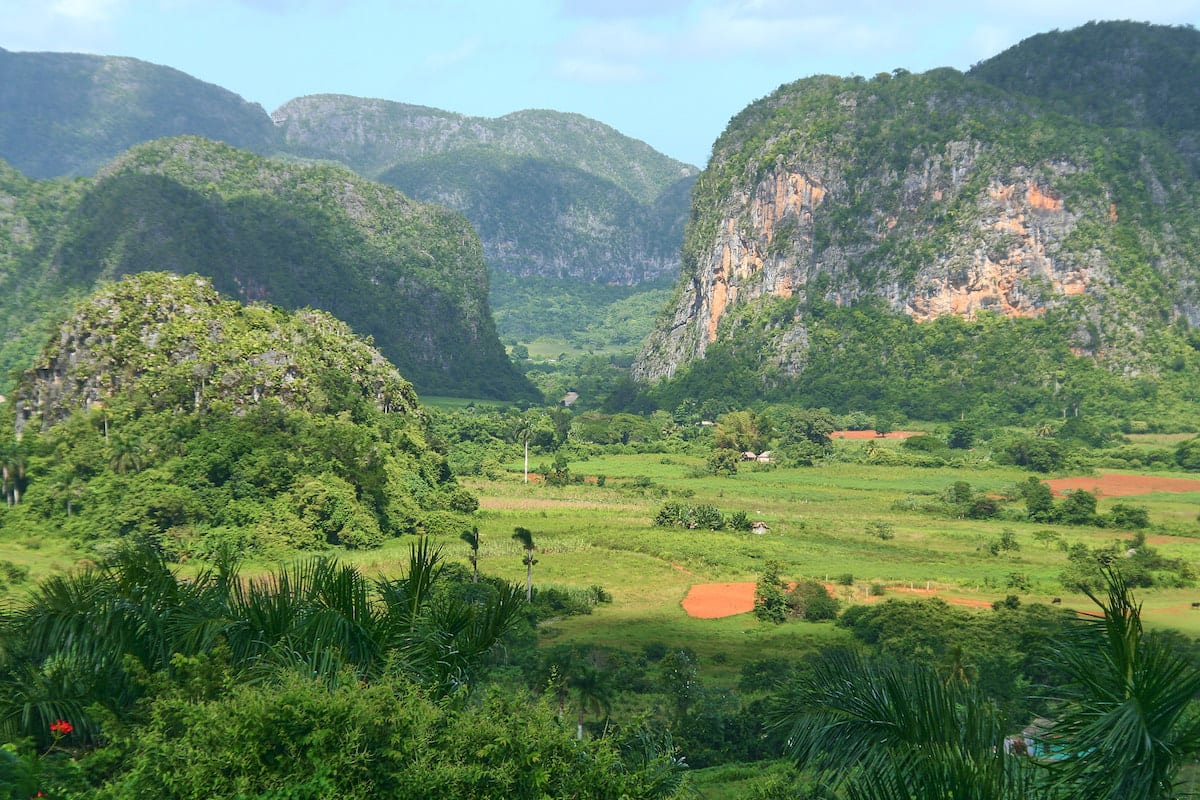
(1126, 516)
(683, 515)
(723, 462)
(881, 530)
(811, 601)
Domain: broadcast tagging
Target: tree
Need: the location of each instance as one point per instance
(471, 537)
(525, 537)
(770, 603)
(1039, 500)
(880, 730)
(591, 681)
(1127, 719)
(525, 428)
(961, 435)
(1079, 508)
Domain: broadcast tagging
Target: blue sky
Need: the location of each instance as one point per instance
(669, 72)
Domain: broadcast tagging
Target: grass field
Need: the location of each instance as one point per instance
(820, 526)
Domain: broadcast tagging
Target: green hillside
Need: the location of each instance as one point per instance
(934, 244)
(68, 113)
(163, 414)
(408, 274)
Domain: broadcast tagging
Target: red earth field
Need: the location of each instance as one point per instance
(716, 600)
(1115, 485)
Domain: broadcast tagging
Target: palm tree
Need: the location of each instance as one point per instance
(471, 537)
(1127, 719)
(592, 684)
(525, 537)
(525, 428)
(876, 730)
(88, 638)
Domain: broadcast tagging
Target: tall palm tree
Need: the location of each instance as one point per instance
(471, 537)
(590, 680)
(524, 432)
(1127, 717)
(525, 537)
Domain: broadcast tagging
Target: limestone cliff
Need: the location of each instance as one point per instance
(938, 194)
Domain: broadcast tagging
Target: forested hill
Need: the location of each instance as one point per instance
(1116, 74)
(551, 194)
(164, 415)
(164, 342)
(409, 274)
(67, 113)
(373, 135)
(933, 242)
(576, 199)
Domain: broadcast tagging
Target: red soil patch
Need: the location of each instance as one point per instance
(873, 434)
(1114, 485)
(716, 600)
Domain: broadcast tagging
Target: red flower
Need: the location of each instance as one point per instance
(61, 727)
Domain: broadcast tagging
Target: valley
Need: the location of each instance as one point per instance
(365, 448)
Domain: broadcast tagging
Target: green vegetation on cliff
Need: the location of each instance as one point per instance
(408, 274)
(166, 416)
(942, 194)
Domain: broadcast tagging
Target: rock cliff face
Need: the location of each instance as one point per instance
(938, 194)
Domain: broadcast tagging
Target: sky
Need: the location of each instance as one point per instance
(669, 72)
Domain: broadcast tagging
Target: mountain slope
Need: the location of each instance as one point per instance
(924, 196)
(67, 114)
(1114, 74)
(538, 217)
(167, 342)
(409, 274)
(551, 194)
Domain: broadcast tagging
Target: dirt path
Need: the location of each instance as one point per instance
(717, 600)
(1114, 485)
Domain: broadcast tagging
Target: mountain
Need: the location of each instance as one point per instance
(409, 274)
(540, 218)
(162, 414)
(1114, 74)
(841, 218)
(67, 114)
(167, 342)
(551, 194)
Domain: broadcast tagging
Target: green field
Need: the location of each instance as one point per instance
(818, 522)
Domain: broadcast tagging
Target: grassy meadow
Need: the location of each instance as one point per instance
(820, 526)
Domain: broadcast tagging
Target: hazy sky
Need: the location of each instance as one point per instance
(669, 72)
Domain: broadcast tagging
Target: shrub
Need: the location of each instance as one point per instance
(881, 530)
(1123, 515)
(811, 601)
(724, 462)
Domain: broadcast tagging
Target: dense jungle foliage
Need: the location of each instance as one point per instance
(990, 369)
(166, 415)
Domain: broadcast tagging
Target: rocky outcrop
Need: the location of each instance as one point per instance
(166, 341)
(940, 196)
